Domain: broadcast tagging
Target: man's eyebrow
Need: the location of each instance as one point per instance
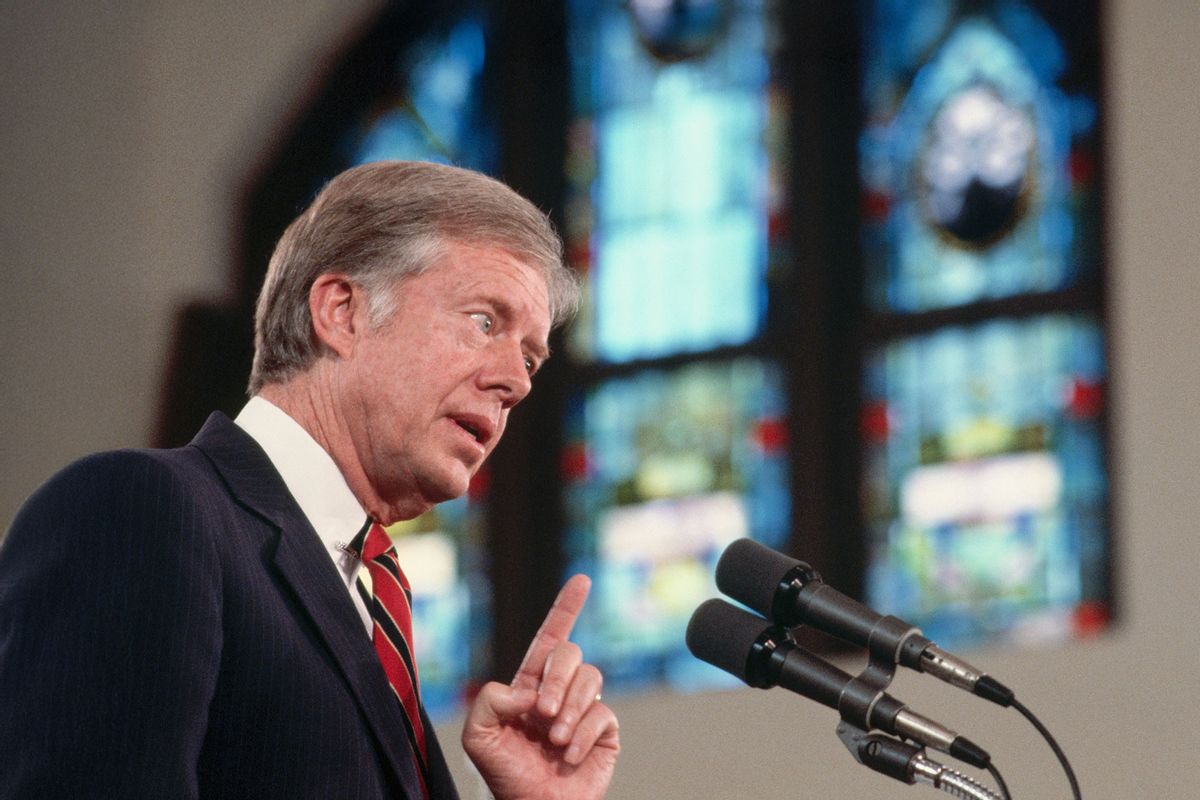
(540, 350)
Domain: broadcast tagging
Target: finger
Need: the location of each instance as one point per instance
(557, 676)
(496, 702)
(582, 695)
(598, 728)
(555, 630)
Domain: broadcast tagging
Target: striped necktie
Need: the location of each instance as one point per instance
(387, 594)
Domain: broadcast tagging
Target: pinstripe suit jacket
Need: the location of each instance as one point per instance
(171, 626)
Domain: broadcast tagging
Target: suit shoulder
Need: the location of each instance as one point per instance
(122, 472)
(119, 488)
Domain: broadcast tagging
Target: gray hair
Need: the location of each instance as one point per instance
(380, 222)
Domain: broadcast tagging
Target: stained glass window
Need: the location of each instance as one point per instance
(439, 114)
(675, 182)
(977, 163)
(980, 328)
(986, 482)
(663, 470)
(985, 485)
(671, 185)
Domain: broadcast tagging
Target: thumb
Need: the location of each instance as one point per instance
(496, 702)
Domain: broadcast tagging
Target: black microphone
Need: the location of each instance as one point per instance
(792, 593)
(762, 655)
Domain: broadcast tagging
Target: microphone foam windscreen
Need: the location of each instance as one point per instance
(750, 573)
(723, 635)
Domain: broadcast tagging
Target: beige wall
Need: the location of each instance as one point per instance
(126, 130)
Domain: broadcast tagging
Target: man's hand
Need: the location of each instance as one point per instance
(546, 736)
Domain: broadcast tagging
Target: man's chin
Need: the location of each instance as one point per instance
(431, 488)
(446, 487)
(414, 504)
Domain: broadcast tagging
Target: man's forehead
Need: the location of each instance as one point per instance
(509, 282)
(501, 267)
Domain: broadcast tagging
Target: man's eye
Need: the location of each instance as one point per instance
(484, 321)
(530, 365)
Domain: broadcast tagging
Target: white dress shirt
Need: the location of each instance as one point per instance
(315, 482)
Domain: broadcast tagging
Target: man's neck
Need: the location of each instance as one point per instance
(315, 410)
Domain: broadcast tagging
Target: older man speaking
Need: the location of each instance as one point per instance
(228, 619)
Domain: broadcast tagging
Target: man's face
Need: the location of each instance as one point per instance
(426, 396)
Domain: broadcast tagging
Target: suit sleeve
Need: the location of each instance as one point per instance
(110, 634)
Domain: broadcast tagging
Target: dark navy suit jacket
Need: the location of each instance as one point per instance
(172, 627)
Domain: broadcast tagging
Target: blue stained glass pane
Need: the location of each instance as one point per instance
(985, 481)
(670, 177)
(663, 470)
(977, 168)
(439, 115)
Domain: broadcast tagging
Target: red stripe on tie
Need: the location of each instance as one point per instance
(393, 663)
(391, 610)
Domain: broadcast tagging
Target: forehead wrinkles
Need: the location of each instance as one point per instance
(506, 273)
(511, 286)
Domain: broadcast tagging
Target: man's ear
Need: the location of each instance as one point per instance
(339, 312)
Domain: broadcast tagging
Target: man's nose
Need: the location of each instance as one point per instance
(506, 374)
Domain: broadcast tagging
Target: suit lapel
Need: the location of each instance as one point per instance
(441, 784)
(305, 566)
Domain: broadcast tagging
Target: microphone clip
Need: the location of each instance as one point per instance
(880, 752)
(857, 703)
(908, 763)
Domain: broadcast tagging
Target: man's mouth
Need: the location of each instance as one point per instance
(466, 426)
(478, 426)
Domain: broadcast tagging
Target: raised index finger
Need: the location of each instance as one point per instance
(555, 630)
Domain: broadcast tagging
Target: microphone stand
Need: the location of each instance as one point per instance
(908, 763)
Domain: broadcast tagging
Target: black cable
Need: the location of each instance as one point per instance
(1062, 757)
(991, 768)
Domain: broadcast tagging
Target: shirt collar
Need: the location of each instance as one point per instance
(309, 472)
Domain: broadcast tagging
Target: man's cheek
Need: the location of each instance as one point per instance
(501, 425)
